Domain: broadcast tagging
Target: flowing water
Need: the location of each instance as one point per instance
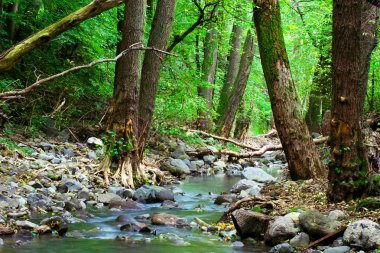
(98, 233)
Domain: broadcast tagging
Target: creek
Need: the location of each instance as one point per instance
(99, 232)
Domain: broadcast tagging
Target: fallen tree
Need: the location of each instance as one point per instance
(10, 56)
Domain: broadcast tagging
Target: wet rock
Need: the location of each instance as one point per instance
(94, 142)
(225, 198)
(56, 223)
(279, 230)
(169, 204)
(233, 173)
(106, 198)
(43, 229)
(163, 194)
(209, 159)
(23, 234)
(134, 226)
(316, 224)
(337, 215)
(249, 223)
(237, 244)
(164, 219)
(341, 249)
(123, 204)
(153, 194)
(85, 195)
(257, 174)
(145, 216)
(364, 234)
(300, 241)
(118, 190)
(282, 248)
(74, 205)
(128, 193)
(244, 184)
(25, 224)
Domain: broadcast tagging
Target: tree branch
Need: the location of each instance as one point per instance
(10, 56)
(133, 47)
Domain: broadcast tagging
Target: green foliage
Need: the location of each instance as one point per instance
(257, 209)
(115, 145)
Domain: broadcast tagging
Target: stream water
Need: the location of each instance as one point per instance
(98, 233)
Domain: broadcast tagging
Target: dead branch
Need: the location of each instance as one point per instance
(258, 153)
(133, 47)
(330, 236)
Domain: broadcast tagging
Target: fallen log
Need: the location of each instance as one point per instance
(238, 204)
(258, 153)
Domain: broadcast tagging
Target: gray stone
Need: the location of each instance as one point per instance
(72, 184)
(341, 249)
(46, 157)
(257, 174)
(300, 241)
(56, 160)
(25, 224)
(107, 197)
(363, 233)
(179, 153)
(220, 165)
(176, 167)
(68, 152)
(225, 198)
(166, 219)
(279, 230)
(118, 190)
(209, 159)
(128, 193)
(198, 163)
(244, 184)
(237, 244)
(337, 215)
(92, 155)
(38, 200)
(282, 248)
(95, 142)
(316, 224)
(56, 223)
(47, 146)
(145, 194)
(233, 172)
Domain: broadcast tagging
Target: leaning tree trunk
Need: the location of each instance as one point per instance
(320, 94)
(123, 115)
(10, 56)
(300, 151)
(349, 165)
(208, 75)
(153, 61)
(225, 124)
(243, 122)
(233, 69)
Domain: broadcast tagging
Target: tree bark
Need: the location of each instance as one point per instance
(10, 22)
(158, 38)
(243, 122)
(10, 56)
(123, 113)
(300, 151)
(374, 2)
(233, 69)
(208, 75)
(348, 166)
(225, 125)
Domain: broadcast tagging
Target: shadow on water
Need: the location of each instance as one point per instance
(98, 234)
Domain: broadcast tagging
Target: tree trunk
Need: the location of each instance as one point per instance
(208, 75)
(372, 98)
(123, 114)
(10, 56)
(349, 165)
(243, 122)
(368, 40)
(233, 69)
(10, 22)
(225, 125)
(153, 61)
(319, 99)
(300, 151)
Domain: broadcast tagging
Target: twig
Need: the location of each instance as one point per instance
(133, 47)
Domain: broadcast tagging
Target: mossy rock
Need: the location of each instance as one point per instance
(368, 204)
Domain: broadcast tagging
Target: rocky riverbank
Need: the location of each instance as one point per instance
(46, 186)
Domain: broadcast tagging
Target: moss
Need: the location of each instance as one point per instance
(368, 204)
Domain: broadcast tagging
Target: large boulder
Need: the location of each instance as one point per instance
(176, 167)
(279, 230)
(316, 224)
(95, 142)
(106, 198)
(257, 174)
(225, 198)
(249, 223)
(363, 233)
(245, 184)
(56, 223)
(153, 194)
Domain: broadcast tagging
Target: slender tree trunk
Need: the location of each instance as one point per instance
(319, 99)
(10, 56)
(225, 125)
(208, 75)
(158, 38)
(300, 151)
(197, 54)
(233, 69)
(123, 112)
(368, 40)
(118, 69)
(349, 165)
(10, 22)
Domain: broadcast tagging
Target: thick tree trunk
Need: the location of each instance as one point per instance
(319, 99)
(349, 165)
(225, 125)
(208, 75)
(10, 56)
(243, 122)
(300, 151)
(153, 61)
(123, 112)
(233, 69)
